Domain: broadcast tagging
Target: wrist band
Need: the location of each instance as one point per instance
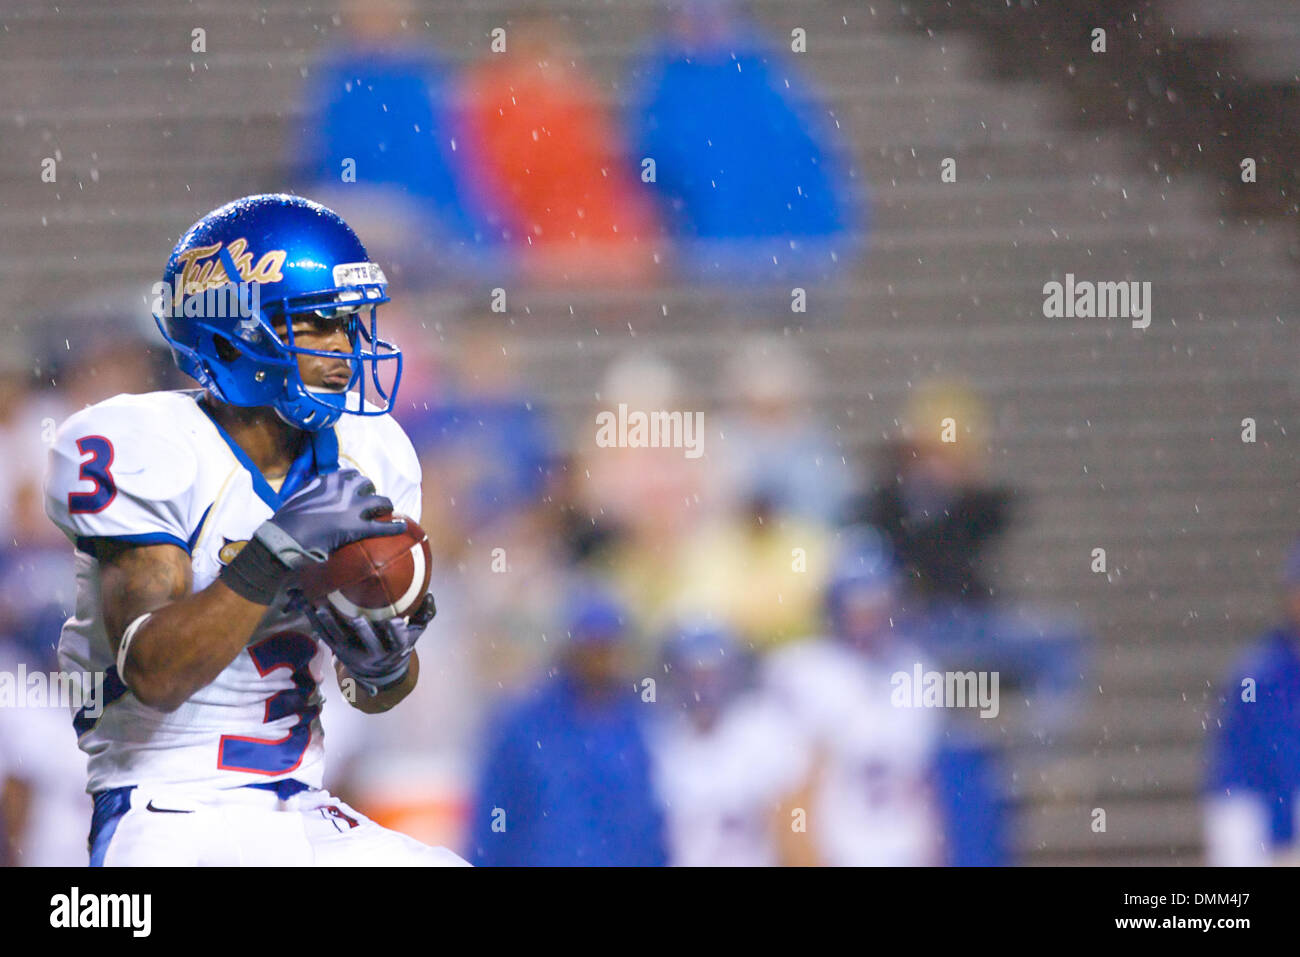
(255, 573)
(127, 635)
(373, 688)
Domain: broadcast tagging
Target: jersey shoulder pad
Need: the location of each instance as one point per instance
(380, 448)
(124, 468)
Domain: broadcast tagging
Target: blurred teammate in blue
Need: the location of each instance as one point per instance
(1253, 800)
(567, 779)
(750, 174)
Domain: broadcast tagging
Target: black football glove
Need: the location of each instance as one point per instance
(376, 653)
(331, 511)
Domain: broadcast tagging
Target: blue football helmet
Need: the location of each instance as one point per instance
(594, 615)
(863, 572)
(291, 257)
(706, 664)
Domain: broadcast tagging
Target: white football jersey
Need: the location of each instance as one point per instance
(722, 787)
(155, 468)
(873, 799)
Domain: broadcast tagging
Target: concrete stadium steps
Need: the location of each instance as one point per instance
(1171, 719)
(895, 169)
(1136, 565)
(1268, 32)
(233, 70)
(1192, 676)
(1114, 251)
(84, 188)
(1140, 832)
(1045, 376)
(453, 28)
(1133, 770)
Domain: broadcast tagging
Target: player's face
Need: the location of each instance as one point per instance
(331, 335)
(706, 692)
(864, 618)
(599, 666)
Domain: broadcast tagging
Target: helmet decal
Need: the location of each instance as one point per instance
(233, 288)
(197, 275)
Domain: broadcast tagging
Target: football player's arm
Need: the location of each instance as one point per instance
(363, 701)
(188, 637)
(179, 641)
(15, 803)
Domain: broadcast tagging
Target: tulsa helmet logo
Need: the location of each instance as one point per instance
(198, 275)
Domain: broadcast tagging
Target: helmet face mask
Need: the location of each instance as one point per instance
(224, 335)
(706, 665)
(305, 405)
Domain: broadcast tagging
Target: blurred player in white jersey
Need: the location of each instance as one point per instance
(869, 796)
(725, 758)
(190, 512)
(43, 804)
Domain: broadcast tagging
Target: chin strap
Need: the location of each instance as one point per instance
(314, 413)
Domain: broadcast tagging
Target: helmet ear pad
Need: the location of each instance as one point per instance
(225, 351)
(244, 376)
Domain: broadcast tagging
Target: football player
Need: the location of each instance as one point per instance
(190, 511)
(870, 796)
(726, 759)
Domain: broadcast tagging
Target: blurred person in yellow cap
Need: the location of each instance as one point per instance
(932, 497)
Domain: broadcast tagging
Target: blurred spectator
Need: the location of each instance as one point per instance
(725, 758)
(102, 347)
(771, 442)
(586, 537)
(567, 779)
(380, 145)
(747, 172)
(541, 146)
(870, 797)
(759, 571)
(940, 513)
(1253, 789)
(512, 580)
(932, 499)
(485, 445)
(637, 487)
(646, 502)
(27, 422)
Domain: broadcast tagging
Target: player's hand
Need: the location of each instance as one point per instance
(377, 654)
(330, 511)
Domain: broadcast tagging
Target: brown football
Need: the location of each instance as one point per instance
(375, 578)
